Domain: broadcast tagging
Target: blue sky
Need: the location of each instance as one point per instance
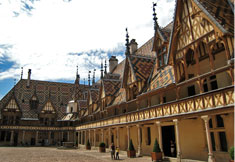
(52, 37)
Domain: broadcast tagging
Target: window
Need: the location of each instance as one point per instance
(191, 90)
(164, 99)
(71, 109)
(223, 142)
(213, 82)
(219, 120)
(205, 87)
(148, 136)
(33, 103)
(218, 134)
(162, 56)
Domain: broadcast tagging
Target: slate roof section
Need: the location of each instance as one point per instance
(162, 77)
(142, 66)
(111, 87)
(58, 93)
(220, 12)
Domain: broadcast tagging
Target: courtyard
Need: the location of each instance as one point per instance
(52, 154)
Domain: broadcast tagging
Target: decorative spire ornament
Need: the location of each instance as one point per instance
(21, 75)
(105, 67)
(102, 75)
(93, 79)
(77, 77)
(127, 43)
(89, 78)
(155, 16)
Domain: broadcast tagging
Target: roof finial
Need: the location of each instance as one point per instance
(84, 82)
(93, 80)
(77, 77)
(89, 78)
(155, 16)
(105, 67)
(102, 75)
(21, 75)
(127, 43)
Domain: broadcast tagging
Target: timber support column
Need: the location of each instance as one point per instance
(110, 139)
(118, 141)
(102, 135)
(82, 137)
(23, 137)
(36, 138)
(85, 137)
(206, 119)
(62, 136)
(78, 138)
(94, 137)
(49, 137)
(89, 136)
(128, 136)
(12, 138)
(68, 136)
(176, 121)
(139, 140)
(158, 123)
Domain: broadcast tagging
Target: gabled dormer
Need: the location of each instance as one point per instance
(48, 108)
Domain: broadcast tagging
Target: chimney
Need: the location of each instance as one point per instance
(133, 46)
(28, 80)
(113, 62)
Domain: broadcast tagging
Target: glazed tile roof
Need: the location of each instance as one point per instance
(162, 77)
(120, 97)
(142, 66)
(220, 12)
(111, 87)
(82, 104)
(94, 94)
(58, 93)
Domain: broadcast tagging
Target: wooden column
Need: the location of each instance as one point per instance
(85, 137)
(159, 128)
(110, 139)
(128, 136)
(118, 140)
(94, 137)
(23, 137)
(176, 121)
(89, 135)
(102, 135)
(211, 58)
(68, 139)
(185, 68)
(62, 136)
(78, 138)
(139, 140)
(81, 137)
(12, 138)
(206, 119)
(49, 137)
(36, 138)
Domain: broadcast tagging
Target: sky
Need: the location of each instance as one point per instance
(52, 37)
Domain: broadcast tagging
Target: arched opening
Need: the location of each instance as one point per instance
(191, 63)
(203, 57)
(180, 72)
(219, 55)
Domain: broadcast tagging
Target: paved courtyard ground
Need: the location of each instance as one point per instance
(50, 154)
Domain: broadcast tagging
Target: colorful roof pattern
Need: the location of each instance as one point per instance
(120, 97)
(111, 87)
(94, 94)
(142, 66)
(221, 12)
(58, 93)
(163, 77)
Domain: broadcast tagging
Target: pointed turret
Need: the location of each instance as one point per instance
(77, 77)
(101, 70)
(127, 44)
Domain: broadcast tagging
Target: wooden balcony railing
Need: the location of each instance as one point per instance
(210, 100)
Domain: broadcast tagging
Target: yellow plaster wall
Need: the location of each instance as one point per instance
(192, 139)
(220, 60)
(223, 79)
(204, 66)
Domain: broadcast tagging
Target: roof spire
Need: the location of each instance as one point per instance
(155, 16)
(21, 75)
(77, 77)
(105, 67)
(127, 43)
(84, 82)
(89, 78)
(102, 75)
(93, 80)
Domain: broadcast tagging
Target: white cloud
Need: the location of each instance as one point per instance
(42, 38)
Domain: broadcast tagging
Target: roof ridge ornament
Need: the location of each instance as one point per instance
(21, 75)
(127, 43)
(101, 70)
(155, 16)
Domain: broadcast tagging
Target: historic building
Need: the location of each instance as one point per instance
(178, 86)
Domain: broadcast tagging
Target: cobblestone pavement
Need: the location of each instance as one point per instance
(50, 154)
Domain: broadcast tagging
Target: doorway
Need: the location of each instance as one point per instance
(15, 138)
(168, 135)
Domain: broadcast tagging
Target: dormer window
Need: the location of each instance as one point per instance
(162, 56)
(33, 103)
